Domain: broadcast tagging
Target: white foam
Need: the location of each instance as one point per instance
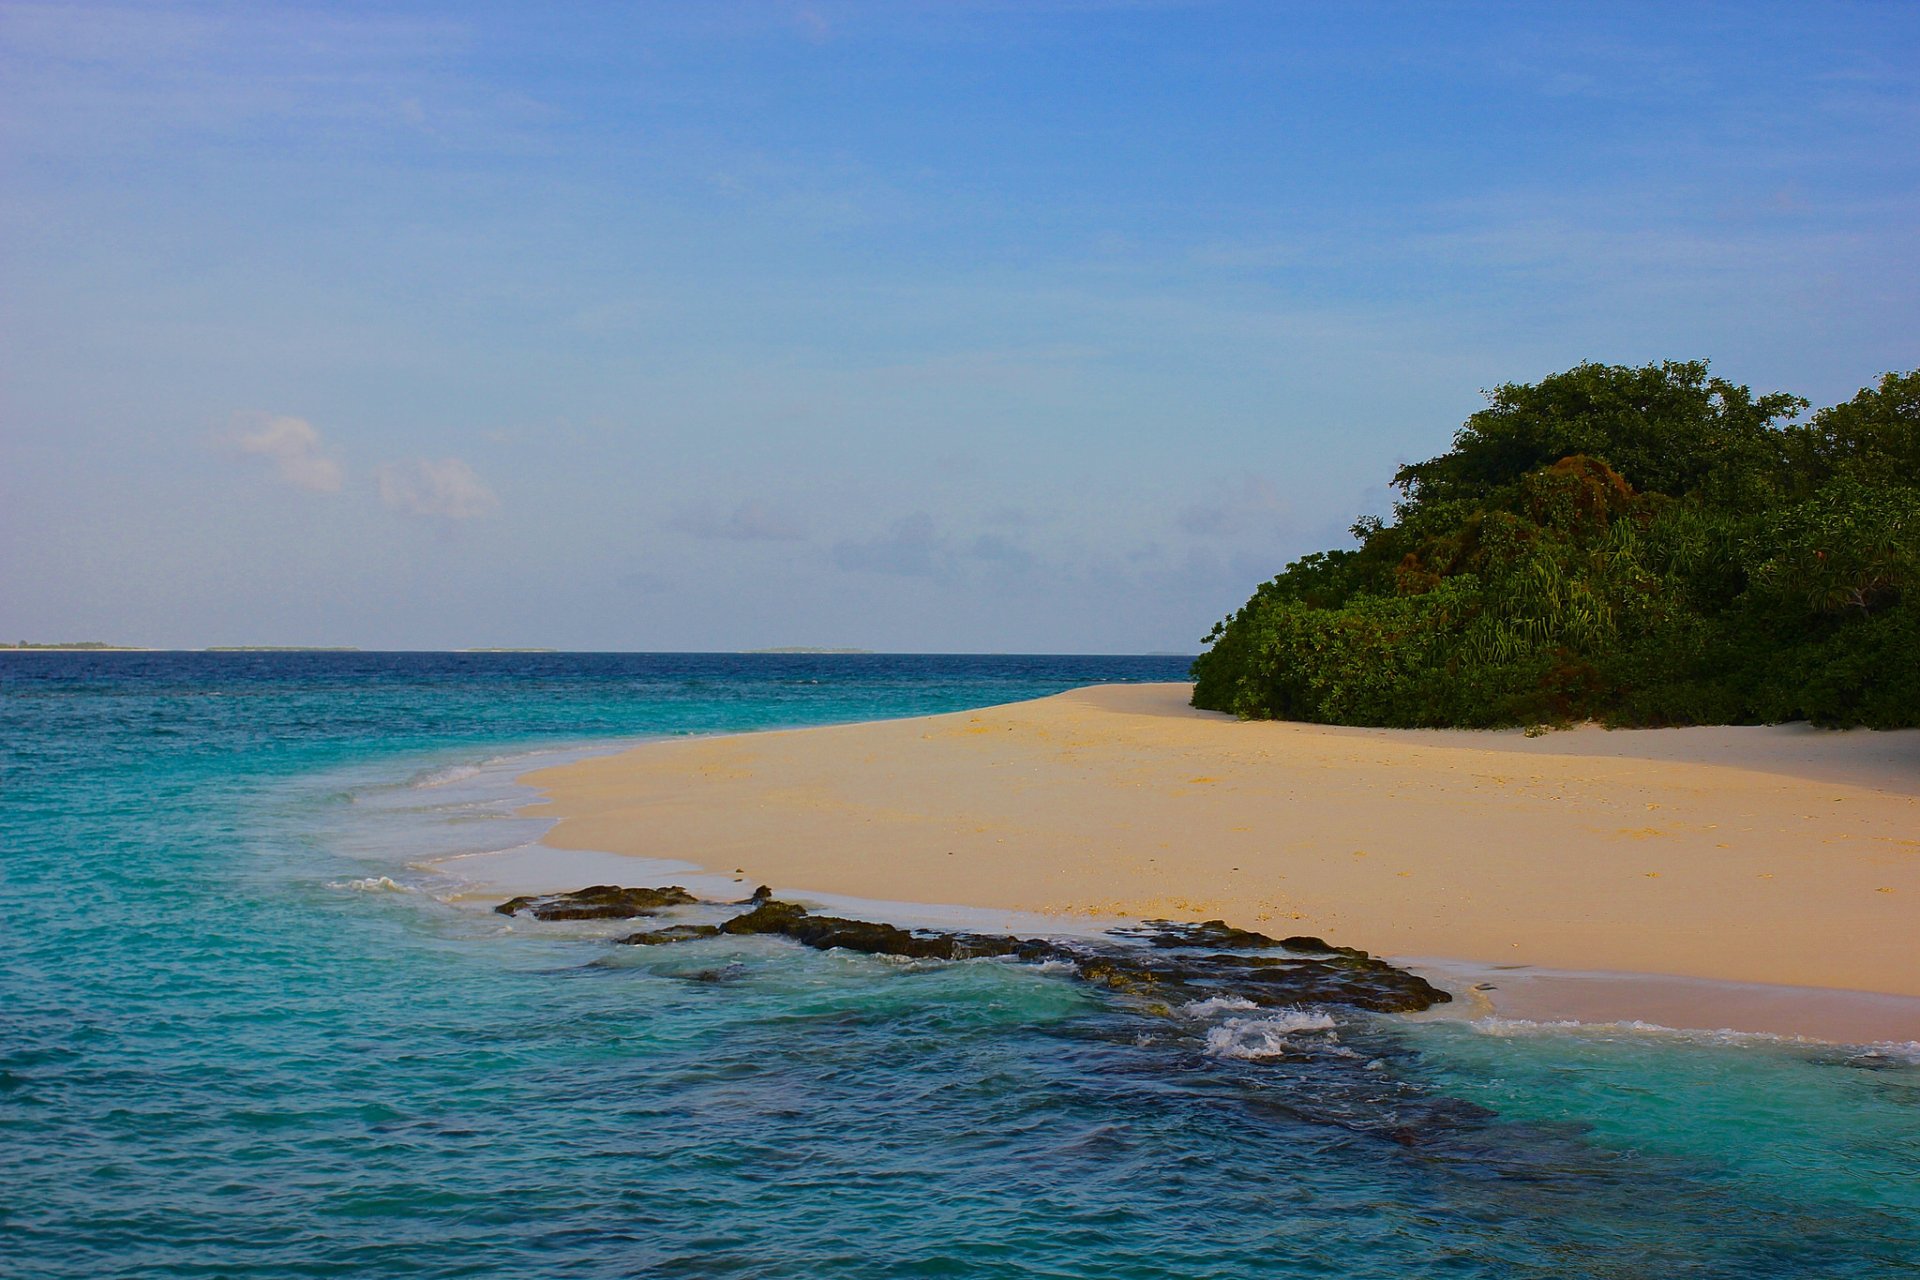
(1899, 1050)
(443, 777)
(1256, 1038)
(373, 884)
(1217, 1004)
(1907, 1051)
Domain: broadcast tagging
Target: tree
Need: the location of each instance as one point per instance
(1637, 545)
(1875, 436)
(1667, 428)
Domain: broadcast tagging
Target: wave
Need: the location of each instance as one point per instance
(1216, 1004)
(445, 776)
(1906, 1051)
(1255, 1038)
(373, 884)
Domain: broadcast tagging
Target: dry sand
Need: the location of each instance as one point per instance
(1741, 855)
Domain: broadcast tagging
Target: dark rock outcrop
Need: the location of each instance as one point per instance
(598, 902)
(1178, 963)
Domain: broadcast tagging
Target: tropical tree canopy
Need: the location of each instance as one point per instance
(1639, 546)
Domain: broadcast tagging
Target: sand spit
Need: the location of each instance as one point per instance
(1784, 856)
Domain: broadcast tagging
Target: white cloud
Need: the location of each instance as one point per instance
(293, 446)
(448, 488)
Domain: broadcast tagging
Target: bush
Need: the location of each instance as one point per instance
(1638, 546)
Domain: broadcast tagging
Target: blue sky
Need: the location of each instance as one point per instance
(917, 326)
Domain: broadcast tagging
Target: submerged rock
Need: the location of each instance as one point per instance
(1257, 1006)
(1179, 963)
(597, 902)
(672, 933)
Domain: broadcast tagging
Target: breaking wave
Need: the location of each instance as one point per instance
(1254, 1038)
(373, 884)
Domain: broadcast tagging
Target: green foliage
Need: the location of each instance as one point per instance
(1850, 545)
(1637, 546)
(1667, 428)
(1874, 437)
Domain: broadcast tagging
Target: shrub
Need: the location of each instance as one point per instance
(1638, 546)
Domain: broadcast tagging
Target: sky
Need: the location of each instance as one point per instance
(1018, 326)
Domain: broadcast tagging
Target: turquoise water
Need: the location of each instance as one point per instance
(221, 1054)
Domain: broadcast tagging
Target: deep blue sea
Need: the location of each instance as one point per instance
(244, 1032)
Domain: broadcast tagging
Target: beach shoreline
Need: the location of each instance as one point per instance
(1752, 879)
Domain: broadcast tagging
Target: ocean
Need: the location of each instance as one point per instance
(250, 1025)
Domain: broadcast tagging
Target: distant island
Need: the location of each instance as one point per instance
(281, 648)
(804, 648)
(68, 644)
(1638, 546)
(504, 649)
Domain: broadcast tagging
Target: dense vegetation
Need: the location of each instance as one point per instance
(1641, 546)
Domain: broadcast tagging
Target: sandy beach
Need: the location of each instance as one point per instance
(1733, 862)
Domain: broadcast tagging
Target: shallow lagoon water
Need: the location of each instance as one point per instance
(242, 1033)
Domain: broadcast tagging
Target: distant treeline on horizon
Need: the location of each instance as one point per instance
(66, 644)
(1638, 546)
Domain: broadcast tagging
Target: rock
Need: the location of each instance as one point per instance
(672, 933)
(597, 902)
(1179, 963)
(1307, 942)
(826, 932)
(1208, 933)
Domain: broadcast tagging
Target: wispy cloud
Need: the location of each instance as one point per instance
(293, 446)
(995, 549)
(914, 546)
(1251, 506)
(910, 547)
(748, 522)
(813, 24)
(447, 488)
(133, 72)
